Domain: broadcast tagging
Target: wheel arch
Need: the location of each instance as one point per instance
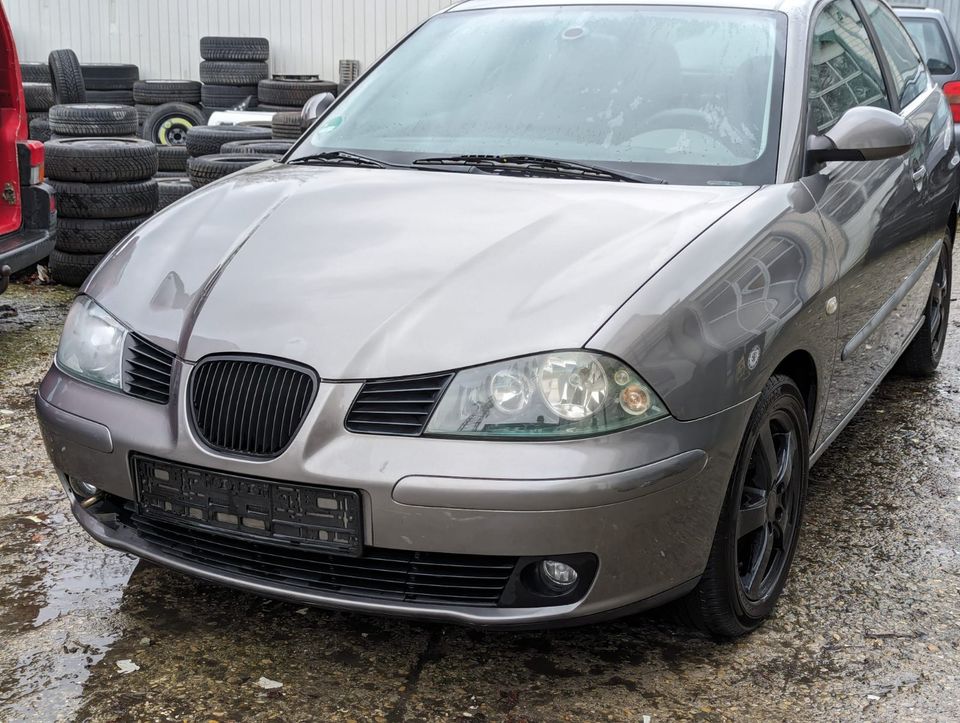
(801, 367)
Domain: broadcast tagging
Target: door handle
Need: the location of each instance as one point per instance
(919, 176)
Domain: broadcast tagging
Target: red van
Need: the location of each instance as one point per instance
(28, 213)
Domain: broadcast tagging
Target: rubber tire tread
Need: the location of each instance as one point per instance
(106, 200)
(172, 190)
(158, 92)
(208, 169)
(72, 269)
(222, 72)
(249, 49)
(109, 76)
(39, 130)
(708, 606)
(101, 160)
(94, 235)
(172, 158)
(208, 140)
(114, 97)
(93, 120)
(292, 92)
(226, 96)
(34, 72)
(38, 96)
(66, 78)
(269, 148)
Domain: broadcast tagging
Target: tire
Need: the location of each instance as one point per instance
(923, 356)
(94, 235)
(207, 140)
(106, 200)
(169, 124)
(287, 126)
(726, 603)
(101, 160)
(269, 148)
(270, 108)
(39, 129)
(158, 92)
(208, 169)
(38, 96)
(226, 48)
(226, 96)
(35, 73)
(72, 269)
(34, 114)
(114, 97)
(172, 190)
(93, 120)
(66, 78)
(172, 159)
(292, 92)
(109, 76)
(222, 72)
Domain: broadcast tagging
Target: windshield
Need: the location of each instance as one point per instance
(688, 94)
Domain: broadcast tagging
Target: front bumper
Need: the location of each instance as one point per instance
(645, 501)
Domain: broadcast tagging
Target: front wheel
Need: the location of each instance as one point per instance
(758, 530)
(923, 356)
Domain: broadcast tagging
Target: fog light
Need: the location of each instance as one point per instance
(83, 490)
(558, 576)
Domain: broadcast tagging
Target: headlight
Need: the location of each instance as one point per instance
(556, 395)
(92, 344)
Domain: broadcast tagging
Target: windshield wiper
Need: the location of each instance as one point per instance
(339, 158)
(536, 166)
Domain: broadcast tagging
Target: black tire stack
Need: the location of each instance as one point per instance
(39, 99)
(105, 189)
(231, 70)
(109, 82)
(208, 162)
(287, 126)
(167, 109)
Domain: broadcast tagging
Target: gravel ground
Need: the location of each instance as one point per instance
(869, 627)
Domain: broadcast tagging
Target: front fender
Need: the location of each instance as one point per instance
(709, 329)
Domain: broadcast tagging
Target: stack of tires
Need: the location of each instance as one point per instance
(105, 189)
(208, 160)
(231, 70)
(287, 126)
(167, 109)
(109, 82)
(39, 99)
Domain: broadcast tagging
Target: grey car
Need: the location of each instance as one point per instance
(543, 322)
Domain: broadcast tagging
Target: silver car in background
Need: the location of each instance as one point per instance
(543, 322)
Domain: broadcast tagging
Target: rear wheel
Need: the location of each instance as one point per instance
(759, 525)
(923, 355)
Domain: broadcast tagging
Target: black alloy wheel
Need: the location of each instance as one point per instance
(922, 357)
(759, 526)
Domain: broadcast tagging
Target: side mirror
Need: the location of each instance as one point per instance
(314, 108)
(862, 134)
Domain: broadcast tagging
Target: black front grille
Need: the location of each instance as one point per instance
(147, 370)
(249, 406)
(396, 406)
(420, 577)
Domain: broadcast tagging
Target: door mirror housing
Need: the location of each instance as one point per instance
(315, 107)
(862, 134)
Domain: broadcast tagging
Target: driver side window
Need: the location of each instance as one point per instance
(844, 69)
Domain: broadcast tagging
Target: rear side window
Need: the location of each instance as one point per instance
(932, 44)
(909, 72)
(844, 70)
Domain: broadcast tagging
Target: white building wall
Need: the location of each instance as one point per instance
(163, 36)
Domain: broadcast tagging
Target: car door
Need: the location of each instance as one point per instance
(869, 207)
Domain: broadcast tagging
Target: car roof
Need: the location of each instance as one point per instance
(915, 12)
(782, 5)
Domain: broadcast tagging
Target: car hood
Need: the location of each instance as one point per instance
(364, 273)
